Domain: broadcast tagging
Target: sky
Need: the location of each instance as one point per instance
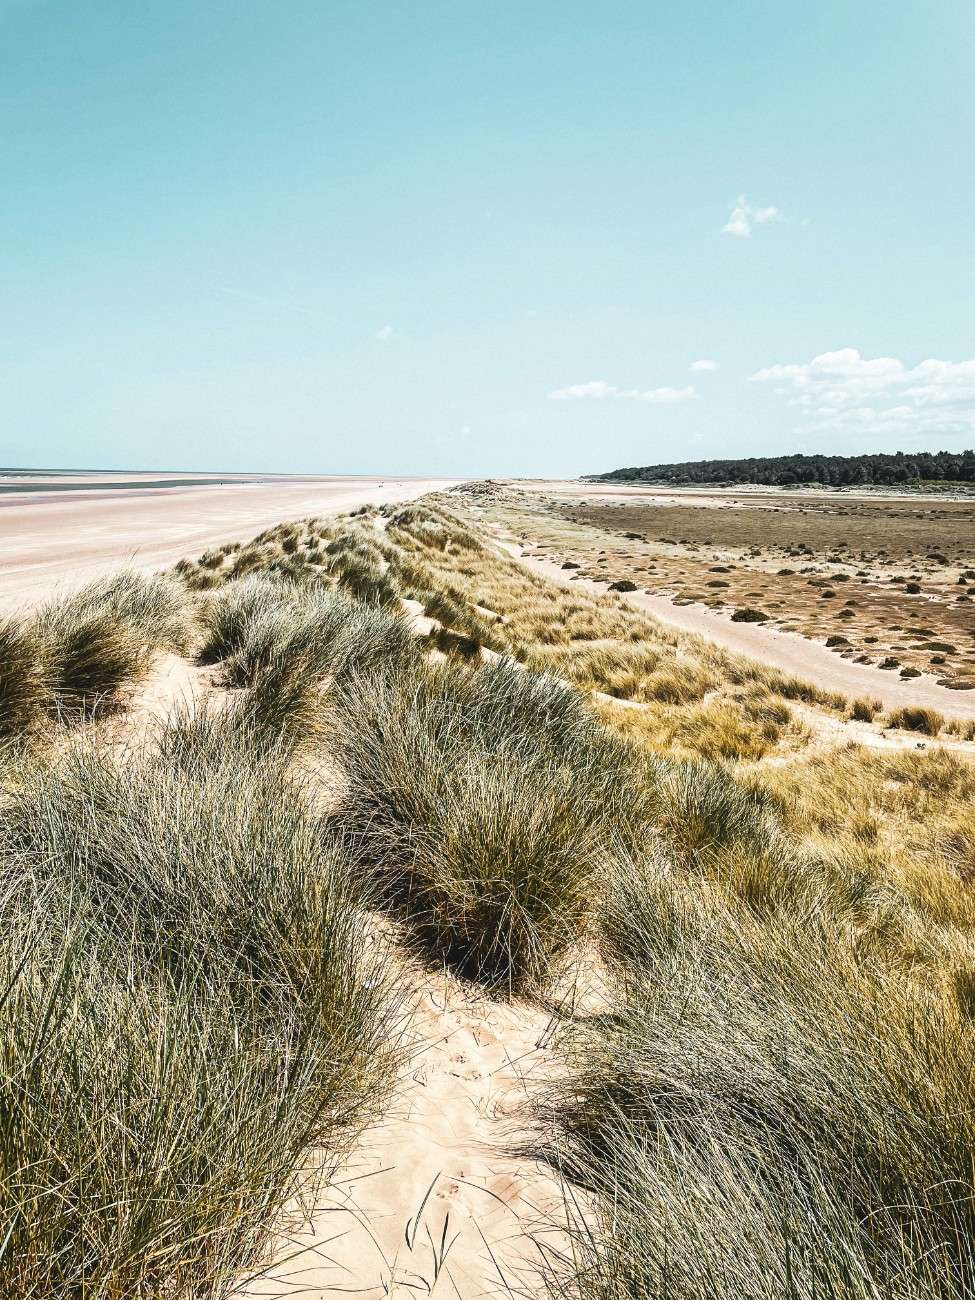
(464, 238)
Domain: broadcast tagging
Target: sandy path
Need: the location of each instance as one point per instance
(430, 1203)
(71, 537)
(432, 1200)
(571, 489)
(785, 651)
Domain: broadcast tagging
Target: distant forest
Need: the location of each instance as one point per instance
(836, 471)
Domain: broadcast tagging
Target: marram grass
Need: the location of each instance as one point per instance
(192, 1005)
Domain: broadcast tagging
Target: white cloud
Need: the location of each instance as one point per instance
(702, 365)
(848, 392)
(385, 333)
(744, 216)
(598, 388)
(595, 388)
(663, 396)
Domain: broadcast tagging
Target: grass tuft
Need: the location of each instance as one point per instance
(915, 718)
(769, 1110)
(480, 800)
(23, 681)
(191, 1003)
(863, 709)
(102, 638)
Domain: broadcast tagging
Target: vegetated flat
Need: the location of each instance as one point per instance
(73, 526)
(884, 581)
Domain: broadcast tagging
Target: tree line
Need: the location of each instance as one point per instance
(834, 471)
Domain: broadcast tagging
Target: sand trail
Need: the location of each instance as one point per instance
(785, 651)
(438, 1197)
(432, 1201)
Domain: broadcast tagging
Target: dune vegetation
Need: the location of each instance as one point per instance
(876, 580)
(754, 936)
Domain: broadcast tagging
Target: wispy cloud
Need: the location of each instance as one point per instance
(384, 333)
(845, 391)
(703, 365)
(597, 389)
(744, 216)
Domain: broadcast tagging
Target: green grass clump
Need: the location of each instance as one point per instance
(91, 659)
(190, 1005)
(772, 1107)
(480, 799)
(23, 684)
(706, 815)
(102, 638)
(364, 578)
(309, 643)
(285, 642)
(230, 614)
(434, 528)
(153, 606)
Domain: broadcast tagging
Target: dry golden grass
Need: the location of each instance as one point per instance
(875, 580)
(928, 721)
(731, 728)
(598, 643)
(905, 817)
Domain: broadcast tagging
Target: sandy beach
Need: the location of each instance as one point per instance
(51, 539)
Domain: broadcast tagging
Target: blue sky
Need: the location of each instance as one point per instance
(470, 238)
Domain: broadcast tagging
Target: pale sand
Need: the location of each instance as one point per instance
(786, 651)
(704, 495)
(431, 1201)
(50, 541)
